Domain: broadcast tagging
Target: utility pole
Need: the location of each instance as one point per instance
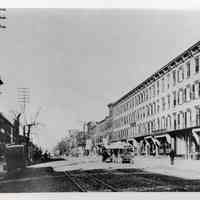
(23, 97)
(23, 100)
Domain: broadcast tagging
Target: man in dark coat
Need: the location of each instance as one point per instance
(172, 155)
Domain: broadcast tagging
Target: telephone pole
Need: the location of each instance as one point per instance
(23, 98)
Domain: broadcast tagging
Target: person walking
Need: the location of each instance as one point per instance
(172, 155)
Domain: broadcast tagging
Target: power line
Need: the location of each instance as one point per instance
(23, 99)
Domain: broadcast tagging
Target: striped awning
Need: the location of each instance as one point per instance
(167, 136)
(156, 142)
(195, 135)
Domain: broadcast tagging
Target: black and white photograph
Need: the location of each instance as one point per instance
(99, 100)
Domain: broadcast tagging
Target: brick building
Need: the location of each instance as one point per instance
(163, 111)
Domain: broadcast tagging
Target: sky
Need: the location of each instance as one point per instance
(76, 61)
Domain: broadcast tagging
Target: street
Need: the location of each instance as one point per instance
(89, 174)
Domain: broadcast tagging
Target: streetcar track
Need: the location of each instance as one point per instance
(93, 178)
(158, 183)
(74, 181)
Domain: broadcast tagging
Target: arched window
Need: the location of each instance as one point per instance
(180, 96)
(197, 108)
(196, 90)
(174, 98)
(180, 74)
(175, 121)
(168, 122)
(163, 122)
(147, 110)
(158, 124)
(168, 81)
(188, 118)
(158, 88)
(151, 126)
(158, 106)
(154, 107)
(151, 109)
(143, 93)
(188, 93)
(168, 101)
(182, 117)
(180, 120)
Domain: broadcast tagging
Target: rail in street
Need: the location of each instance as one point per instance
(86, 184)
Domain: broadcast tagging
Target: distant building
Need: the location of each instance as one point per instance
(6, 132)
(77, 140)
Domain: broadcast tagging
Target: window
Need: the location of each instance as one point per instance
(199, 90)
(151, 109)
(180, 74)
(163, 103)
(163, 123)
(188, 93)
(168, 81)
(143, 96)
(158, 89)
(193, 91)
(168, 101)
(180, 96)
(196, 90)
(188, 69)
(174, 117)
(181, 120)
(168, 122)
(197, 64)
(197, 116)
(174, 77)
(147, 95)
(188, 118)
(154, 90)
(148, 113)
(154, 107)
(178, 121)
(158, 124)
(163, 84)
(158, 106)
(174, 98)
(149, 92)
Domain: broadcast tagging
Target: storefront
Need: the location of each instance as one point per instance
(164, 144)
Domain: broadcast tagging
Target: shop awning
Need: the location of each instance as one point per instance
(156, 142)
(146, 141)
(150, 138)
(195, 135)
(167, 136)
(118, 145)
(135, 143)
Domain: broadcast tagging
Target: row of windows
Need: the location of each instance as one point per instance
(183, 95)
(178, 120)
(177, 76)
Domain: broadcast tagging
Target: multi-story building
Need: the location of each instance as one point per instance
(103, 131)
(6, 133)
(163, 111)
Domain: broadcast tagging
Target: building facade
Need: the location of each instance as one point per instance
(6, 133)
(163, 111)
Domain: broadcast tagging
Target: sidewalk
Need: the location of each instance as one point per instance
(189, 169)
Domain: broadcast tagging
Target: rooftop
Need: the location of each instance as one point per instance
(160, 72)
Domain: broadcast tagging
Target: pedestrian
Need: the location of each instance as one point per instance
(172, 155)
